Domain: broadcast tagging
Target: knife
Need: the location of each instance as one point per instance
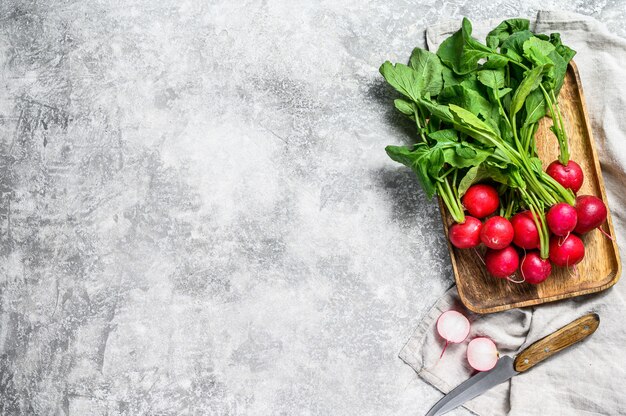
(508, 367)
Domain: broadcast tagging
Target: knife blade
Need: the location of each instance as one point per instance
(508, 367)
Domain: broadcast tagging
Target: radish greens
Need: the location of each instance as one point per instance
(476, 109)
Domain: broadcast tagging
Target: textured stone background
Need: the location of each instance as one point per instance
(196, 212)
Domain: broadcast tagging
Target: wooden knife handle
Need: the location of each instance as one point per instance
(570, 334)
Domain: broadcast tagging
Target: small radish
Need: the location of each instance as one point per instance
(591, 213)
(497, 232)
(525, 234)
(467, 234)
(482, 354)
(534, 269)
(481, 200)
(502, 263)
(453, 327)
(566, 252)
(570, 175)
(561, 219)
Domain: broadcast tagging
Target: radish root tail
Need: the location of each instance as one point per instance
(444, 349)
(516, 281)
(607, 235)
(479, 256)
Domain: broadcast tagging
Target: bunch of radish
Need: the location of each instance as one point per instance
(477, 108)
(515, 241)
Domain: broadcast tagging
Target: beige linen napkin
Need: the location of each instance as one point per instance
(589, 378)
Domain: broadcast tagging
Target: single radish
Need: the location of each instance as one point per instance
(497, 232)
(525, 234)
(561, 219)
(467, 234)
(566, 251)
(502, 263)
(534, 269)
(452, 326)
(591, 213)
(481, 200)
(570, 175)
(482, 354)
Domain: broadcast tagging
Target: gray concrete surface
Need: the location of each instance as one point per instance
(196, 213)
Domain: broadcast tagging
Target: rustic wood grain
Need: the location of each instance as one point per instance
(570, 334)
(601, 267)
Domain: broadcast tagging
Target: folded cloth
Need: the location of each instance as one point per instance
(589, 378)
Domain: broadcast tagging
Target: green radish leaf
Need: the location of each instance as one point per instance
(560, 57)
(446, 135)
(404, 107)
(469, 99)
(468, 123)
(461, 51)
(471, 177)
(418, 159)
(537, 51)
(542, 52)
(505, 29)
(403, 78)
(429, 71)
(496, 61)
(468, 118)
(529, 84)
(441, 112)
(435, 162)
(517, 25)
(492, 42)
(557, 73)
(481, 173)
(492, 78)
(450, 78)
(513, 46)
(470, 95)
(471, 83)
(566, 52)
(555, 39)
(501, 94)
(535, 107)
(504, 91)
(464, 155)
(466, 151)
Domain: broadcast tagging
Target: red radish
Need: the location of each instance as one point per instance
(502, 263)
(535, 269)
(481, 200)
(452, 326)
(591, 213)
(467, 234)
(561, 219)
(482, 354)
(570, 175)
(497, 232)
(566, 252)
(525, 233)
